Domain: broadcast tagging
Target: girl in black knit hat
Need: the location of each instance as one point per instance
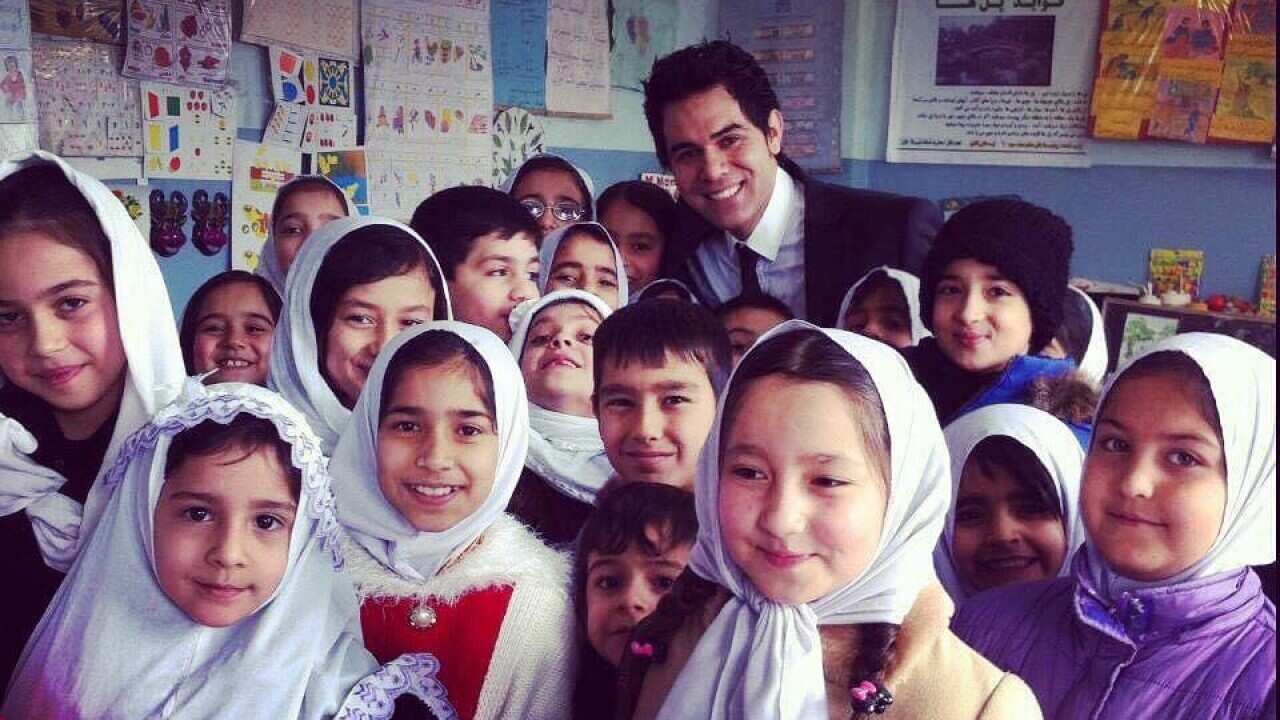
(992, 294)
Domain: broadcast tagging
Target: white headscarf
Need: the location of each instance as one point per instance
(154, 377)
(661, 284)
(268, 263)
(362, 508)
(565, 450)
(1093, 365)
(763, 660)
(910, 285)
(1054, 445)
(113, 645)
(551, 244)
(1243, 381)
(295, 362)
(510, 183)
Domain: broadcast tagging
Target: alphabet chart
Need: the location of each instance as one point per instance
(84, 106)
(189, 132)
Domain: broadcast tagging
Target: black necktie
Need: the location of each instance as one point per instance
(747, 261)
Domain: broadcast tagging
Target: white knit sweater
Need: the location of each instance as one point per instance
(534, 661)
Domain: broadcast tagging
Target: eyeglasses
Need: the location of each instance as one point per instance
(563, 211)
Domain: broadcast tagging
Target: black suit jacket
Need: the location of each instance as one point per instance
(846, 233)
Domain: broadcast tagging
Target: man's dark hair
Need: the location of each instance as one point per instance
(452, 219)
(646, 332)
(699, 68)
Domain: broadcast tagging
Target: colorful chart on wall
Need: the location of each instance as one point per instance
(348, 169)
(640, 31)
(578, 58)
(189, 132)
(97, 20)
(324, 26)
(428, 99)
(178, 42)
(517, 136)
(321, 85)
(83, 104)
(260, 170)
(285, 126)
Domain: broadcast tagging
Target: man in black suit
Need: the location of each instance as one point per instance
(752, 219)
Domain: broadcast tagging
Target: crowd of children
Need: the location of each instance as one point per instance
(500, 463)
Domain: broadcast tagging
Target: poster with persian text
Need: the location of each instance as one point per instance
(578, 58)
(994, 83)
(428, 84)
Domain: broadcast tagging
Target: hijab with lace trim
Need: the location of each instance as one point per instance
(113, 645)
(153, 377)
(551, 245)
(295, 360)
(364, 511)
(268, 262)
(564, 450)
(910, 285)
(1056, 448)
(762, 659)
(1242, 379)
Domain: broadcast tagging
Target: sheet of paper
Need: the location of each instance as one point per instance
(329, 130)
(285, 126)
(15, 25)
(988, 83)
(189, 132)
(324, 26)
(97, 20)
(178, 42)
(643, 31)
(17, 140)
(578, 58)
(348, 169)
(428, 99)
(519, 31)
(84, 106)
(517, 136)
(260, 170)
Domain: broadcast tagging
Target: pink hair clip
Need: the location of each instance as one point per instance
(870, 698)
(641, 649)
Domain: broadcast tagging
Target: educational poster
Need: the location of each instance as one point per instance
(286, 126)
(517, 136)
(666, 181)
(84, 106)
(640, 31)
(978, 82)
(260, 170)
(324, 26)
(428, 99)
(578, 58)
(519, 32)
(799, 46)
(1246, 109)
(329, 130)
(17, 99)
(293, 77)
(96, 20)
(1142, 331)
(15, 25)
(323, 86)
(189, 132)
(1176, 271)
(187, 43)
(348, 170)
(134, 198)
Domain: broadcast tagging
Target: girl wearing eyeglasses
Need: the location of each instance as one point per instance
(553, 190)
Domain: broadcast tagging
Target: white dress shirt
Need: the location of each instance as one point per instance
(779, 240)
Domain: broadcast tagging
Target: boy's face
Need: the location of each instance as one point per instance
(882, 313)
(556, 361)
(981, 319)
(584, 262)
(497, 274)
(623, 589)
(655, 420)
(745, 325)
(222, 527)
(233, 335)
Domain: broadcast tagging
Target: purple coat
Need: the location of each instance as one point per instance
(1200, 649)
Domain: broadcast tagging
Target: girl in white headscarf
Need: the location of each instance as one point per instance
(1162, 615)
(356, 283)
(422, 475)
(210, 588)
(555, 191)
(302, 206)
(567, 462)
(583, 256)
(1014, 514)
(1081, 337)
(884, 304)
(88, 352)
(821, 494)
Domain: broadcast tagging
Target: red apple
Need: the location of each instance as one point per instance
(1217, 303)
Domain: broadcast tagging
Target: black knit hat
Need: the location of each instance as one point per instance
(1028, 244)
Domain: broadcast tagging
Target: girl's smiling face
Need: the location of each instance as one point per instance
(233, 334)
(1155, 480)
(981, 319)
(584, 262)
(557, 358)
(304, 211)
(639, 240)
(801, 502)
(59, 332)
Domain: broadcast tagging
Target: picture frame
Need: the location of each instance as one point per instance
(1131, 326)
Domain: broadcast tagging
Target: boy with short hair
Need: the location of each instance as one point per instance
(659, 366)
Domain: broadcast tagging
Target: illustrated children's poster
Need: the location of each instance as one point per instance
(329, 130)
(97, 20)
(1176, 270)
(285, 126)
(349, 171)
(15, 25)
(517, 136)
(178, 42)
(260, 170)
(84, 106)
(189, 131)
(641, 31)
(134, 198)
(1142, 331)
(578, 58)
(428, 99)
(519, 32)
(293, 77)
(324, 26)
(17, 102)
(323, 86)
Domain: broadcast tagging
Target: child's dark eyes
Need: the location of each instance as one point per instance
(9, 319)
(1182, 458)
(71, 304)
(948, 289)
(608, 582)
(744, 472)
(585, 337)
(620, 403)
(470, 431)
(664, 583)
(359, 319)
(970, 516)
(197, 514)
(676, 400)
(268, 522)
(404, 426)
(829, 483)
(1113, 444)
(260, 329)
(640, 248)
